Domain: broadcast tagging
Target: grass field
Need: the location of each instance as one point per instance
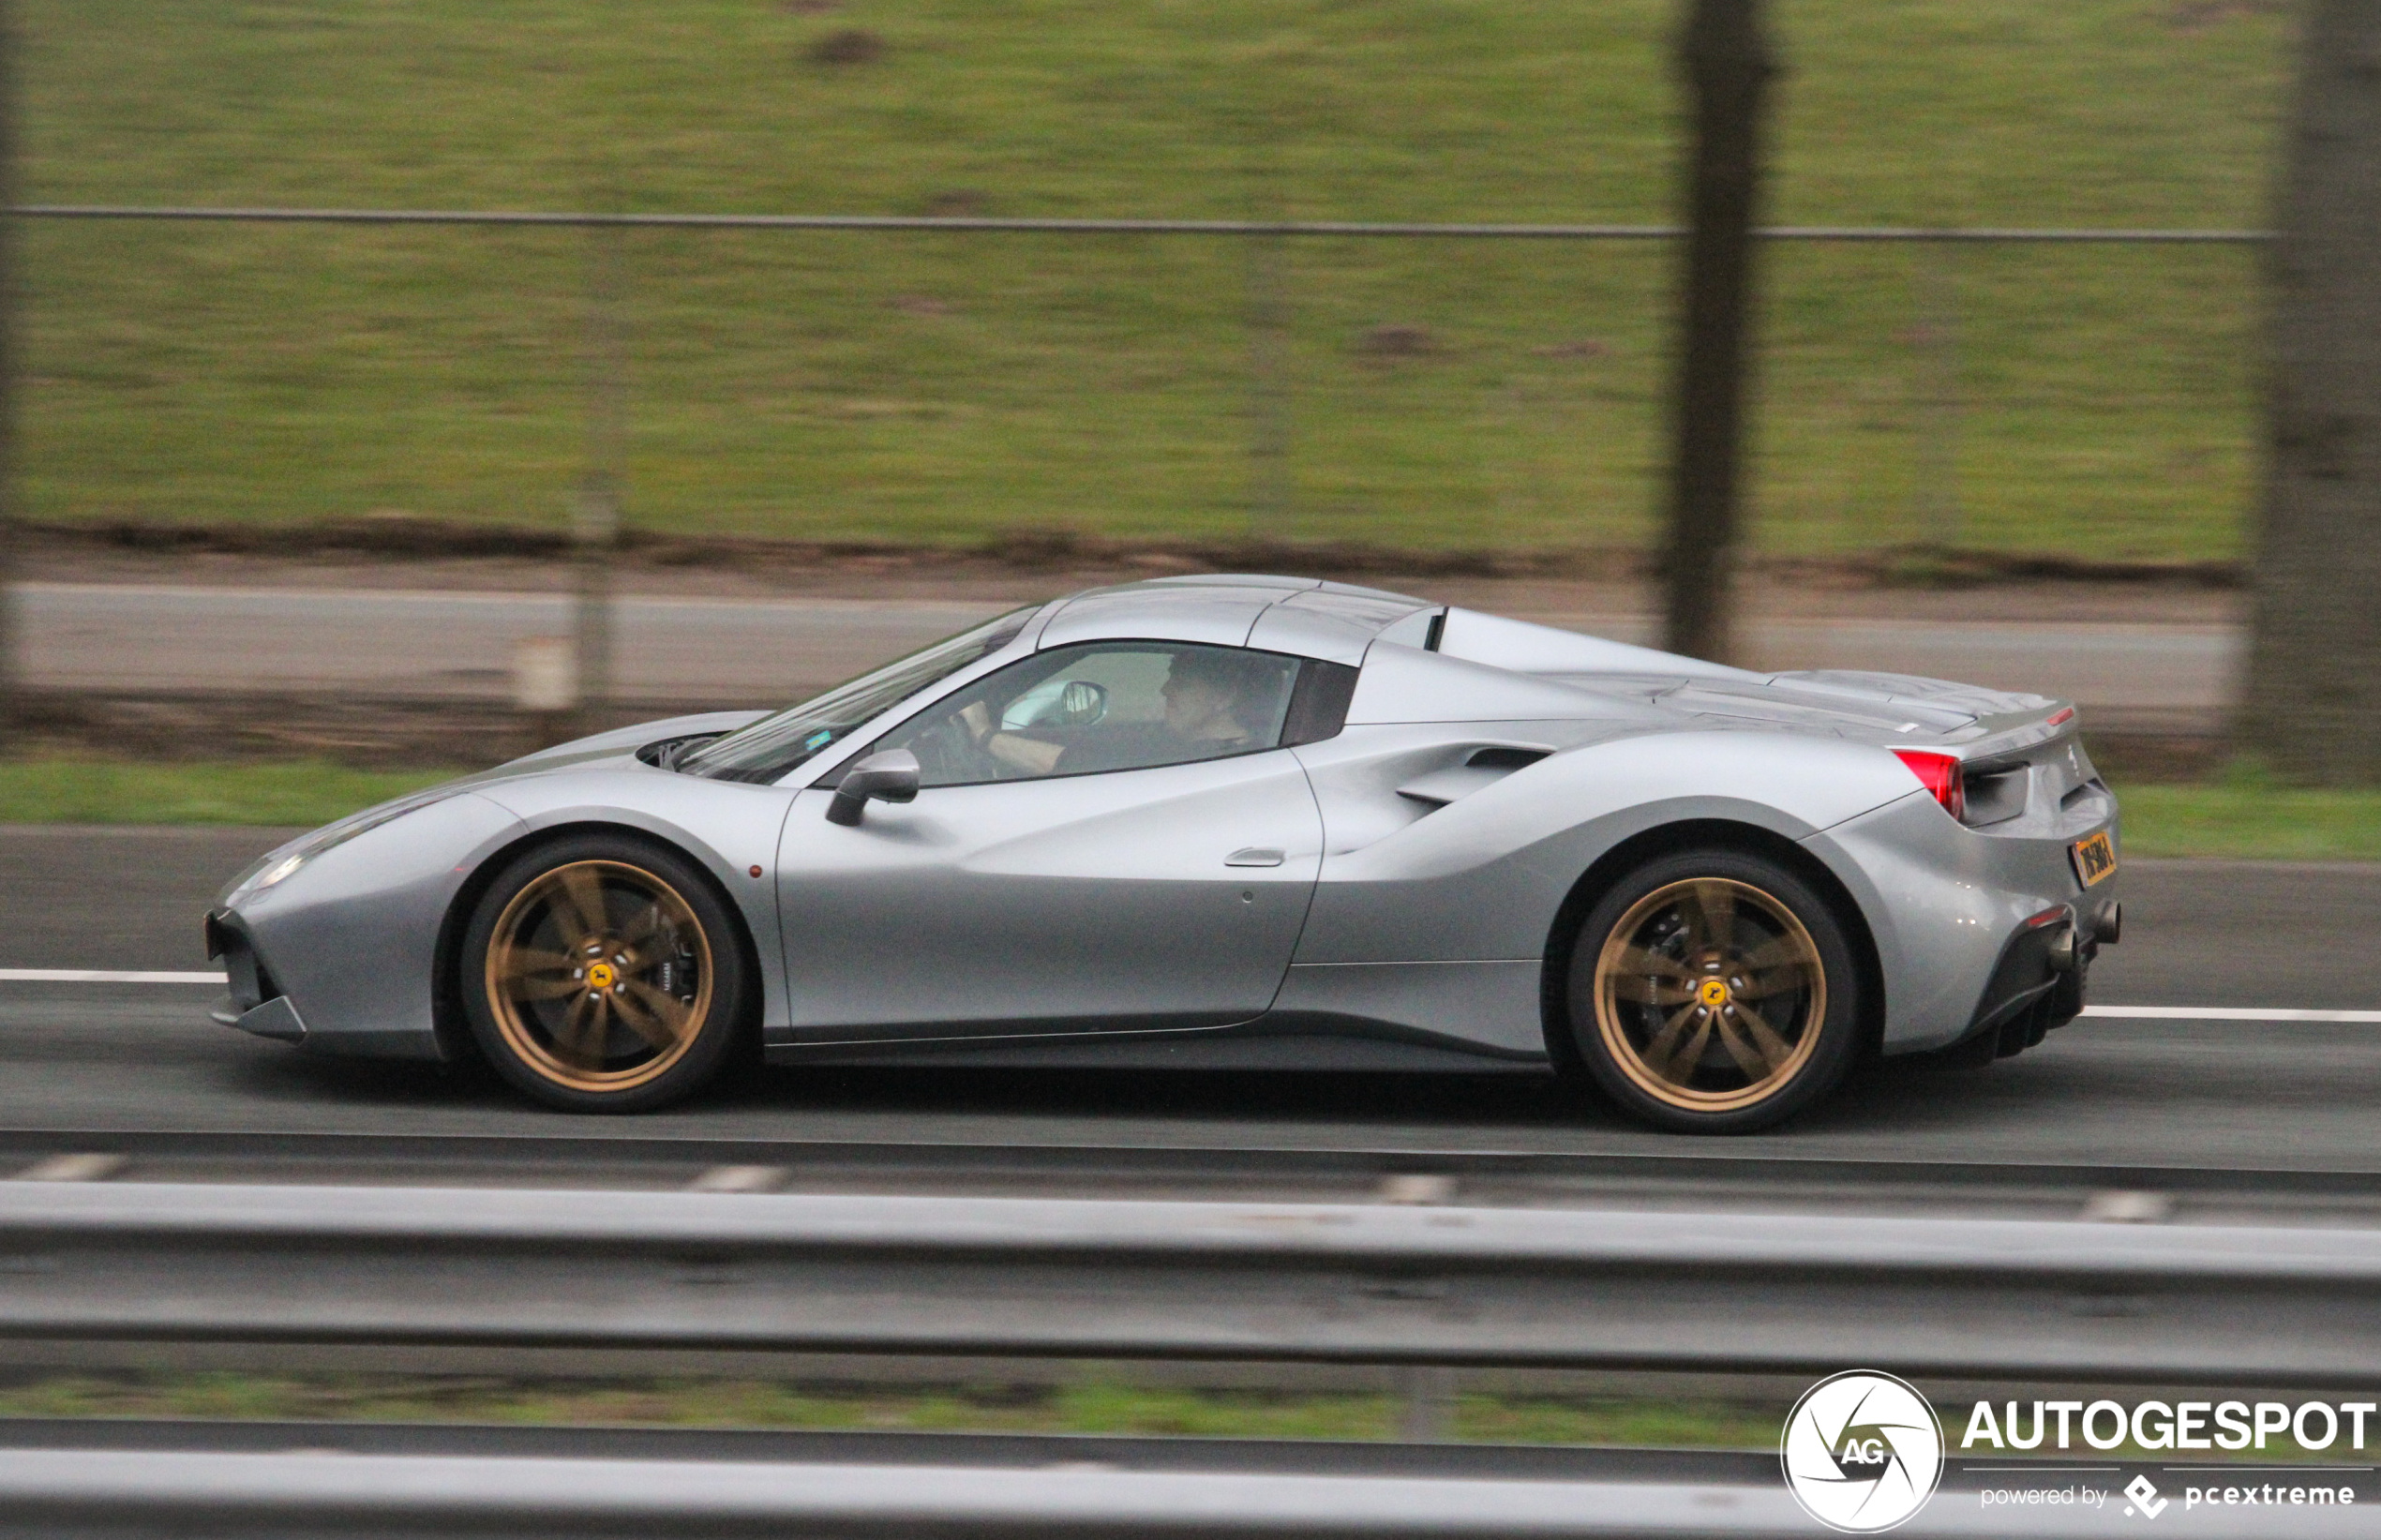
(2246, 815)
(1092, 1405)
(62, 790)
(1101, 1402)
(941, 388)
(2240, 815)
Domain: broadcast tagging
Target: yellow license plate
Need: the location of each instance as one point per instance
(2095, 859)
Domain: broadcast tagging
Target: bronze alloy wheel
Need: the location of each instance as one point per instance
(1710, 995)
(599, 976)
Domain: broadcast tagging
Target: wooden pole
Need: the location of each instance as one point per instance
(2314, 702)
(1268, 391)
(1726, 64)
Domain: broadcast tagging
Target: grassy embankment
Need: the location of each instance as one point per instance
(60, 790)
(2240, 815)
(935, 388)
(1091, 1406)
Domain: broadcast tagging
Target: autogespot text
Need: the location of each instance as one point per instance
(2311, 1426)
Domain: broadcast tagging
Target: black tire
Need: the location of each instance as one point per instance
(619, 1011)
(1712, 992)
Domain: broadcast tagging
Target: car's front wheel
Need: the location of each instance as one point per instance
(601, 974)
(1712, 992)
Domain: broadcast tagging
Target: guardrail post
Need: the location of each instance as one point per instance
(1937, 391)
(595, 519)
(1430, 1405)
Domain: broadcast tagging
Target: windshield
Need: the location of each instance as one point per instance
(765, 750)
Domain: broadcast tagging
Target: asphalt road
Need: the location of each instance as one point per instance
(456, 645)
(2100, 1091)
(141, 636)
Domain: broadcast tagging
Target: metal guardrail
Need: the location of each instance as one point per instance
(63, 1492)
(1442, 1459)
(518, 1480)
(126, 1494)
(1248, 1281)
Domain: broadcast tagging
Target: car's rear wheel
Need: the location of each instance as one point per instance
(1713, 992)
(603, 974)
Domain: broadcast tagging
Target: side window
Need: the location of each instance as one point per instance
(1103, 706)
(1319, 705)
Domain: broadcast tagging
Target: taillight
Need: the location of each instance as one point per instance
(1939, 774)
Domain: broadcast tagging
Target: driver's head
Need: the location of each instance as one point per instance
(1204, 691)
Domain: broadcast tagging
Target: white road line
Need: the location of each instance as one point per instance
(102, 975)
(2231, 1013)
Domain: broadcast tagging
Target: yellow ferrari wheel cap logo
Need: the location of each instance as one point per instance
(602, 976)
(1713, 993)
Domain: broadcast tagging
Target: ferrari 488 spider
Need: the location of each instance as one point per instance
(1247, 822)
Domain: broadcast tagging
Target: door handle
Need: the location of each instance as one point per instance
(1253, 858)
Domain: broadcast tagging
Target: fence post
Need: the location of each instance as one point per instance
(595, 519)
(1268, 390)
(12, 650)
(1938, 396)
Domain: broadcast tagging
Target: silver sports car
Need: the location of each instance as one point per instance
(1244, 822)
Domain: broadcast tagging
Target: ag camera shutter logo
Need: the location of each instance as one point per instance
(1862, 1451)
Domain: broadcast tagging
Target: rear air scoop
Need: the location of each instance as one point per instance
(1481, 769)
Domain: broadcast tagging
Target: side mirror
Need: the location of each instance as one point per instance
(1082, 703)
(891, 776)
(1055, 703)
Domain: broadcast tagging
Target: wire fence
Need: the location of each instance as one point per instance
(1968, 342)
(1276, 361)
(2111, 236)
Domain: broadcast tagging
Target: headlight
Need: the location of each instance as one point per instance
(278, 865)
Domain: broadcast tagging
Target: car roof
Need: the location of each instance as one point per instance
(1305, 616)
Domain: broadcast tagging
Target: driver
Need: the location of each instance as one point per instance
(1205, 695)
(1206, 716)
(1206, 709)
